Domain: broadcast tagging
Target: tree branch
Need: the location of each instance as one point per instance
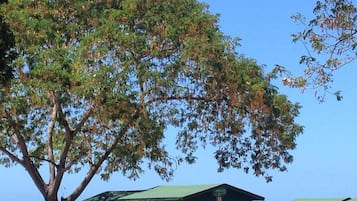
(67, 144)
(50, 143)
(12, 156)
(198, 98)
(94, 168)
(26, 161)
(19, 139)
(44, 159)
(84, 119)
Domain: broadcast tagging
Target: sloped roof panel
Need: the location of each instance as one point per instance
(110, 195)
(169, 192)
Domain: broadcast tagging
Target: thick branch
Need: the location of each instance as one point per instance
(67, 146)
(50, 143)
(26, 161)
(19, 139)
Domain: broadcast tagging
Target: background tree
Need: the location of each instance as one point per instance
(330, 40)
(97, 83)
(7, 42)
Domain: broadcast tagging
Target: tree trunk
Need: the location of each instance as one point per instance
(51, 193)
(51, 197)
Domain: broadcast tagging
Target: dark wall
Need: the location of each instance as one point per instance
(230, 195)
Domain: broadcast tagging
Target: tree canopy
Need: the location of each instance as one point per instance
(97, 83)
(330, 40)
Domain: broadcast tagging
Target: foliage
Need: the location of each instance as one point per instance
(330, 40)
(7, 42)
(97, 83)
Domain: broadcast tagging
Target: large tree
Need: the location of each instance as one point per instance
(97, 83)
(330, 38)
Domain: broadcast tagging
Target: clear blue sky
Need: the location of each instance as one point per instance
(325, 161)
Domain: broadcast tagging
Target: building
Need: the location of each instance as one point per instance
(327, 199)
(214, 192)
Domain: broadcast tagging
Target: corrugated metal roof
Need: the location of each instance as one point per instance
(110, 195)
(169, 192)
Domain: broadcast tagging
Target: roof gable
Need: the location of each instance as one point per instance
(252, 196)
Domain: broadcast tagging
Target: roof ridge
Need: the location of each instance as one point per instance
(178, 185)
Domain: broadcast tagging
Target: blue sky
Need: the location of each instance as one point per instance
(325, 160)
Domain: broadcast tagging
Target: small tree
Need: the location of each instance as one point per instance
(97, 83)
(330, 40)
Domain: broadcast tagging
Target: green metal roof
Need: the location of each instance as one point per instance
(174, 193)
(326, 199)
(110, 195)
(169, 192)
